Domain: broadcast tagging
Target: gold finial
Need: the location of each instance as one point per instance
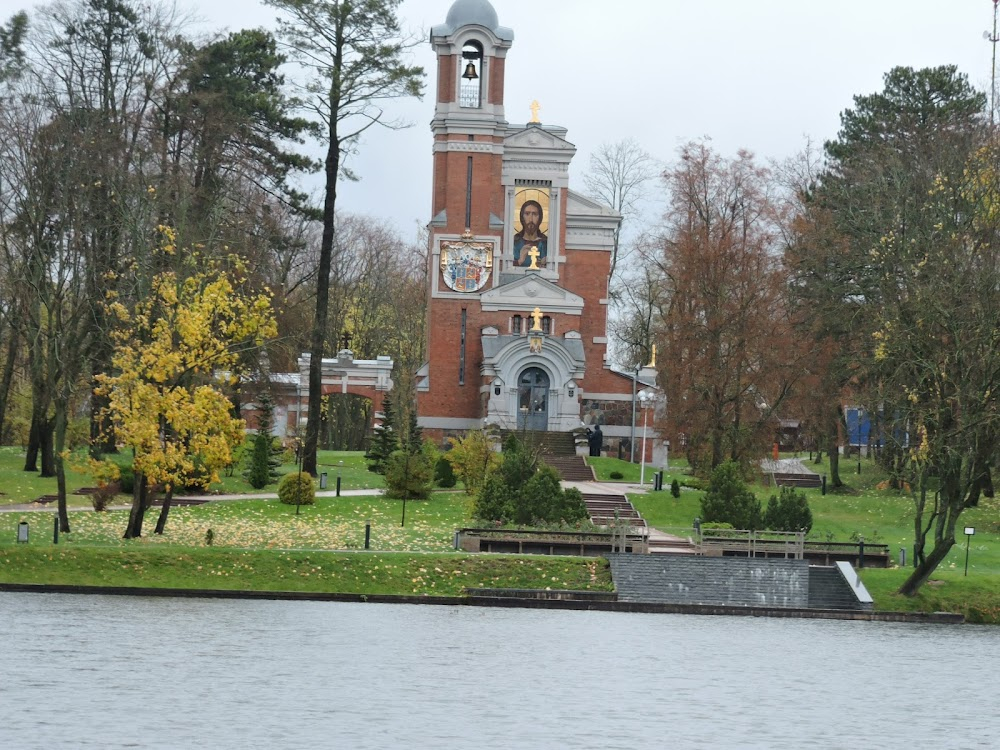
(467, 235)
(652, 361)
(537, 315)
(533, 254)
(535, 108)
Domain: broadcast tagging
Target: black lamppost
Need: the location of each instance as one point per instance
(859, 440)
(301, 444)
(635, 377)
(969, 531)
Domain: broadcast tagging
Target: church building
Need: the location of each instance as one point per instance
(519, 262)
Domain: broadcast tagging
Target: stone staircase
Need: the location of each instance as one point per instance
(829, 590)
(602, 510)
(797, 480)
(546, 443)
(571, 468)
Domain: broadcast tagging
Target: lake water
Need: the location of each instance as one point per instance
(123, 672)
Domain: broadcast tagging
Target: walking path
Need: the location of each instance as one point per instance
(597, 488)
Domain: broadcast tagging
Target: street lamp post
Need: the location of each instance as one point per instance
(301, 444)
(969, 531)
(524, 423)
(645, 397)
(631, 445)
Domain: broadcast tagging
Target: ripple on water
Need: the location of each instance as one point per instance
(118, 672)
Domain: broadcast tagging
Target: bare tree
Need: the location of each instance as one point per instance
(619, 173)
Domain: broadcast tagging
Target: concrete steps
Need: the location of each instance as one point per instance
(546, 443)
(667, 544)
(571, 468)
(798, 480)
(829, 590)
(603, 510)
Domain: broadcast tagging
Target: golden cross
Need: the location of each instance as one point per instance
(537, 315)
(533, 254)
(652, 362)
(535, 107)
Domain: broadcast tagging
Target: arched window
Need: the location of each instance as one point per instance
(546, 324)
(515, 325)
(471, 83)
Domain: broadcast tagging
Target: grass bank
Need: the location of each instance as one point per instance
(401, 573)
(19, 486)
(331, 524)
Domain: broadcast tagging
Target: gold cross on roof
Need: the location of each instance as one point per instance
(535, 107)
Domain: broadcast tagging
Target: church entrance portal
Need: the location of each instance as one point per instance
(533, 399)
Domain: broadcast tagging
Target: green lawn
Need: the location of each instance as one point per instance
(302, 571)
(18, 486)
(330, 524)
(262, 544)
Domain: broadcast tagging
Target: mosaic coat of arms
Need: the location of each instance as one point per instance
(466, 263)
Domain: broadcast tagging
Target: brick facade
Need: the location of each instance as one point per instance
(571, 290)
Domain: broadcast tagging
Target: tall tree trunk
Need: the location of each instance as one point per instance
(31, 455)
(833, 451)
(926, 567)
(8, 377)
(833, 447)
(318, 343)
(138, 510)
(161, 522)
(61, 419)
(46, 448)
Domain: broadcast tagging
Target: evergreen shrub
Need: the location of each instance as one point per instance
(729, 500)
(297, 489)
(788, 512)
(444, 474)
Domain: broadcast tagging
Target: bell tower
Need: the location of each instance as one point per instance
(469, 124)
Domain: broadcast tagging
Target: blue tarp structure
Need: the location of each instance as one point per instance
(858, 426)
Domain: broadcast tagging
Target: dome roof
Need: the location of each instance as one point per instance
(468, 12)
(472, 13)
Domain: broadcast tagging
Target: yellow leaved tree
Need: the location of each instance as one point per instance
(172, 358)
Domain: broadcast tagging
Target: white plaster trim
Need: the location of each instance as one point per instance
(468, 147)
(600, 339)
(607, 396)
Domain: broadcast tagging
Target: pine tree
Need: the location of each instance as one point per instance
(385, 440)
(414, 435)
(264, 460)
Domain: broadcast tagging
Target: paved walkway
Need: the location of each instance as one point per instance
(596, 488)
(608, 488)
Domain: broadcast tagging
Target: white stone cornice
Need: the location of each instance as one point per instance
(468, 147)
(529, 292)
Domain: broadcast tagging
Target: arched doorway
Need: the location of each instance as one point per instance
(533, 399)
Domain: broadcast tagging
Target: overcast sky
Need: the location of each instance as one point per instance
(761, 75)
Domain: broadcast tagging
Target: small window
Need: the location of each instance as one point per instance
(546, 324)
(515, 325)
(470, 87)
